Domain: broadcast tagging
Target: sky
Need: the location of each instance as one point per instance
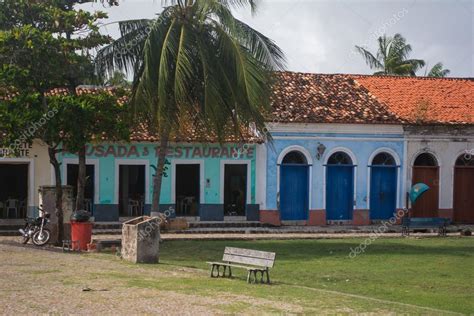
(319, 35)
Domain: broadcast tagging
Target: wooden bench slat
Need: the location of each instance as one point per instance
(248, 260)
(250, 253)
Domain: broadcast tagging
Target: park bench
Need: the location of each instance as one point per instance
(254, 261)
(410, 223)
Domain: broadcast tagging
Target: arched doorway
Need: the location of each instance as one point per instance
(294, 186)
(383, 186)
(339, 186)
(426, 170)
(463, 197)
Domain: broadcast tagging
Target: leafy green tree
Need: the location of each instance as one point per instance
(87, 118)
(195, 59)
(392, 57)
(45, 45)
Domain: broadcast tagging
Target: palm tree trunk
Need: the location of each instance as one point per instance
(59, 192)
(160, 165)
(81, 179)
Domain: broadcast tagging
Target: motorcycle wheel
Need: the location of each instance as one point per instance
(41, 239)
(24, 240)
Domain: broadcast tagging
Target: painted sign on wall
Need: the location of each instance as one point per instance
(185, 152)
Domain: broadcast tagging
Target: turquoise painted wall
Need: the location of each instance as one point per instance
(210, 154)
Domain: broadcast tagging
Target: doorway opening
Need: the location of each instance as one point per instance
(294, 186)
(235, 189)
(383, 186)
(426, 170)
(131, 190)
(13, 190)
(339, 186)
(187, 189)
(71, 179)
(463, 199)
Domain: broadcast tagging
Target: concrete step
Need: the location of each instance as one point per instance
(106, 231)
(10, 233)
(107, 225)
(227, 224)
(4, 227)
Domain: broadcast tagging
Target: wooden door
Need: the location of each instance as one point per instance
(294, 191)
(427, 204)
(463, 199)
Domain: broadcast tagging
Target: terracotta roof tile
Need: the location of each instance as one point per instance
(422, 99)
(323, 98)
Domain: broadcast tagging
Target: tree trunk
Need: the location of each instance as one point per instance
(59, 191)
(81, 179)
(160, 165)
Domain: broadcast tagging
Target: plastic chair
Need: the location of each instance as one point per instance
(133, 207)
(12, 204)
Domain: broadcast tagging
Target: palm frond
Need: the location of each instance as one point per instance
(370, 59)
(438, 71)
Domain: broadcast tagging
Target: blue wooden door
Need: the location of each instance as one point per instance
(339, 192)
(294, 192)
(383, 191)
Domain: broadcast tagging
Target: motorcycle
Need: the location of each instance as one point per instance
(35, 229)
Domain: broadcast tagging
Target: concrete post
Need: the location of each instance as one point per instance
(47, 198)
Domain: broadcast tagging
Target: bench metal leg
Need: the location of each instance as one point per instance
(252, 276)
(215, 268)
(268, 276)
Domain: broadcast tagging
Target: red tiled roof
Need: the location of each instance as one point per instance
(422, 99)
(192, 133)
(325, 98)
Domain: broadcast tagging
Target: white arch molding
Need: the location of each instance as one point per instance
(354, 162)
(309, 161)
(298, 148)
(425, 151)
(369, 173)
(340, 149)
(410, 166)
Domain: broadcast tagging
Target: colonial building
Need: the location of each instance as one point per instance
(347, 148)
(340, 149)
(203, 180)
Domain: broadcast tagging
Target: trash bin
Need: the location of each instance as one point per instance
(81, 228)
(82, 232)
(141, 240)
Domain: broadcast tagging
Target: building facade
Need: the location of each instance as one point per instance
(204, 181)
(21, 175)
(339, 149)
(338, 173)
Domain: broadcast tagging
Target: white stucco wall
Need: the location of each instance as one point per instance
(39, 170)
(446, 146)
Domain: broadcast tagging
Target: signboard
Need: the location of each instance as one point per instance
(184, 152)
(22, 151)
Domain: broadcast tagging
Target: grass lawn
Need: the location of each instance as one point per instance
(430, 276)
(436, 273)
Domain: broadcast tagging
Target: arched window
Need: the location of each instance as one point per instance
(383, 159)
(340, 158)
(426, 160)
(295, 157)
(465, 160)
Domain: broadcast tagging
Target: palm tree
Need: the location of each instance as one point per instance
(438, 71)
(392, 57)
(195, 59)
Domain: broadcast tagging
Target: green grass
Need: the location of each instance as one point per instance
(429, 272)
